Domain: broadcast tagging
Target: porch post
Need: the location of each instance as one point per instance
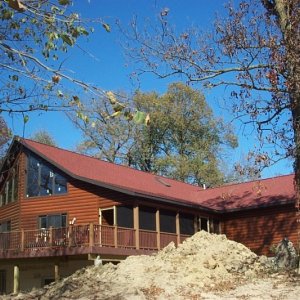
(91, 235)
(116, 236)
(136, 226)
(177, 228)
(70, 235)
(157, 223)
(16, 279)
(196, 220)
(51, 235)
(56, 272)
(22, 239)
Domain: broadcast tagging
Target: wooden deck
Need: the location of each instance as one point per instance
(83, 239)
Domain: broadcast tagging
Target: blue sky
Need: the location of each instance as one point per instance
(103, 64)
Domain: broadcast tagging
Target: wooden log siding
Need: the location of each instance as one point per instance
(81, 202)
(261, 228)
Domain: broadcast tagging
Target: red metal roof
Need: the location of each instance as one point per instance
(265, 192)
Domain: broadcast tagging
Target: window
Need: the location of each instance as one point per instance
(55, 221)
(9, 191)
(147, 218)
(42, 180)
(125, 216)
(167, 221)
(186, 224)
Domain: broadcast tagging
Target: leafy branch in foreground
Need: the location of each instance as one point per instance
(34, 35)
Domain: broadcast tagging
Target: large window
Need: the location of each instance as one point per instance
(125, 216)
(55, 221)
(9, 192)
(43, 180)
(186, 224)
(147, 218)
(167, 221)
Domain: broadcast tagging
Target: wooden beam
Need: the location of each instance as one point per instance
(22, 240)
(51, 235)
(56, 272)
(157, 224)
(196, 224)
(178, 228)
(116, 236)
(16, 279)
(91, 235)
(136, 226)
(70, 235)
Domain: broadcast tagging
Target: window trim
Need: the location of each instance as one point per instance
(113, 208)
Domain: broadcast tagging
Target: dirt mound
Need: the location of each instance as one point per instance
(203, 262)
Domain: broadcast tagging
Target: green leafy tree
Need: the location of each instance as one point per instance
(44, 137)
(182, 139)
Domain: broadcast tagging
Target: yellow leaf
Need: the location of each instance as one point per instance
(106, 27)
(147, 120)
(115, 114)
(112, 98)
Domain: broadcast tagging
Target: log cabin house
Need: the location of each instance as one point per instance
(60, 211)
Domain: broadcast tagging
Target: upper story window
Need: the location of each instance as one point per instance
(9, 192)
(43, 180)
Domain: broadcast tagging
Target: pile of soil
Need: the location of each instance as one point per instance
(204, 266)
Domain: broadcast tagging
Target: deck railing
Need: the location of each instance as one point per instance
(85, 236)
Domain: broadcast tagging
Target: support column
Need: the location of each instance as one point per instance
(178, 228)
(51, 235)
(136, 226)
(22, 240)
(56, 272)
(157, 223)
(116, 236)
(16, 279)
(91, 235)
(197, 226)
